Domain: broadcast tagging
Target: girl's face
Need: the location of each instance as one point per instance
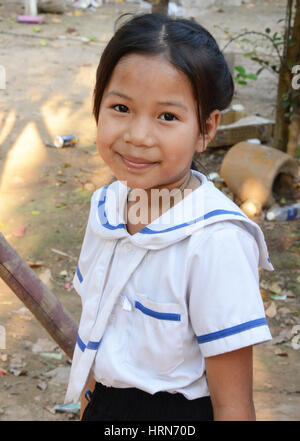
(148, 130)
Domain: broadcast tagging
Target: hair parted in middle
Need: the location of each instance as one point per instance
(187, 45)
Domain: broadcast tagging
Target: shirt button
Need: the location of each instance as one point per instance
(128, 247)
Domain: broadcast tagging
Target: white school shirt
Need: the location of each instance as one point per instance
(156, 303)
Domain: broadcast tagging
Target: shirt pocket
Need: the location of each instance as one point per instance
(155, 336)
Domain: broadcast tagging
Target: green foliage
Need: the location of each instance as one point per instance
(271, 60)
(242, 77)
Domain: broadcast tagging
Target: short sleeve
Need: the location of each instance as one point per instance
(225, 305)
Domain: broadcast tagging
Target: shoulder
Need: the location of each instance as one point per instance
(226, 228)
(225, 235)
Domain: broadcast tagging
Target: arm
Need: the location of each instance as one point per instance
(229, 377)
(89, 386)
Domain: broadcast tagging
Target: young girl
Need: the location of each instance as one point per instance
(169, 281)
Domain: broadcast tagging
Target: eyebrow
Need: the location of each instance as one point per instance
(162, 103)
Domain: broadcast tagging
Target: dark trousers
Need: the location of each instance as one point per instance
(114, 404)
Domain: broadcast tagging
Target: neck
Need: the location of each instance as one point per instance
(159, 200)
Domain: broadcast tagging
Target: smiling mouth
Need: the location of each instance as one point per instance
(136, 162)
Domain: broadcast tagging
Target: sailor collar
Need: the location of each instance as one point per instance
(204, 206)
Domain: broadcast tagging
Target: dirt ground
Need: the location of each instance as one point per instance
(50, 74)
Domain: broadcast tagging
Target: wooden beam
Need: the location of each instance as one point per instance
(43, 304)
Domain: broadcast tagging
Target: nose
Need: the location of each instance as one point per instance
(139, 132)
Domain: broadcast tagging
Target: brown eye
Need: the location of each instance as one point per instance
(169, 116)
(121, 108)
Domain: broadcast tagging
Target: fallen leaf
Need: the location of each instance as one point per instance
(295, 329)
(280, 352)
(35, 264)
(17, 372)
(64, 273)
(275, 287)
(35, 213)
(46, 277)
(50, 410)
(271, 311)
(264, 294)
(42, 385)
(295, 342)
(43, 43)
(71, 30)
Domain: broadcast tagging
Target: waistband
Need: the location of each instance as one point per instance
(131, 404)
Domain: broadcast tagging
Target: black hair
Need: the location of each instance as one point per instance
(187, 45)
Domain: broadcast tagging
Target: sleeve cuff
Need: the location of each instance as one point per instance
(235, 337)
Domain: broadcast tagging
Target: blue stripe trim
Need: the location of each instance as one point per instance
(102, 212)
(219, 212)
(79, 275)
(158, 315)
(93, 345)
(146, 230)
(80, 343)
(231, 331)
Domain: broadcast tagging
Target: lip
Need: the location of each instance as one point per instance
(136, 162)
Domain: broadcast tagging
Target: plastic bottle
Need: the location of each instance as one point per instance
(286, 213)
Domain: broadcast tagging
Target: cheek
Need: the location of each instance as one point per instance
(104, 136)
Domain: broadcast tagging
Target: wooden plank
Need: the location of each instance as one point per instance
(43, 304)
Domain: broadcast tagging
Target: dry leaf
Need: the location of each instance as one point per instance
(271, 311)
(264, 294)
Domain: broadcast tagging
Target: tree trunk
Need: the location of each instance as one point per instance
(294, 59)
(294, 130)
(281, 128)
(160, 6)
(286, 130)
(281, 122)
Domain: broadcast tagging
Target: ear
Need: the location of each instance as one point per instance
(211, 124)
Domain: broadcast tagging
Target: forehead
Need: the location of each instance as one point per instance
(151, 75)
